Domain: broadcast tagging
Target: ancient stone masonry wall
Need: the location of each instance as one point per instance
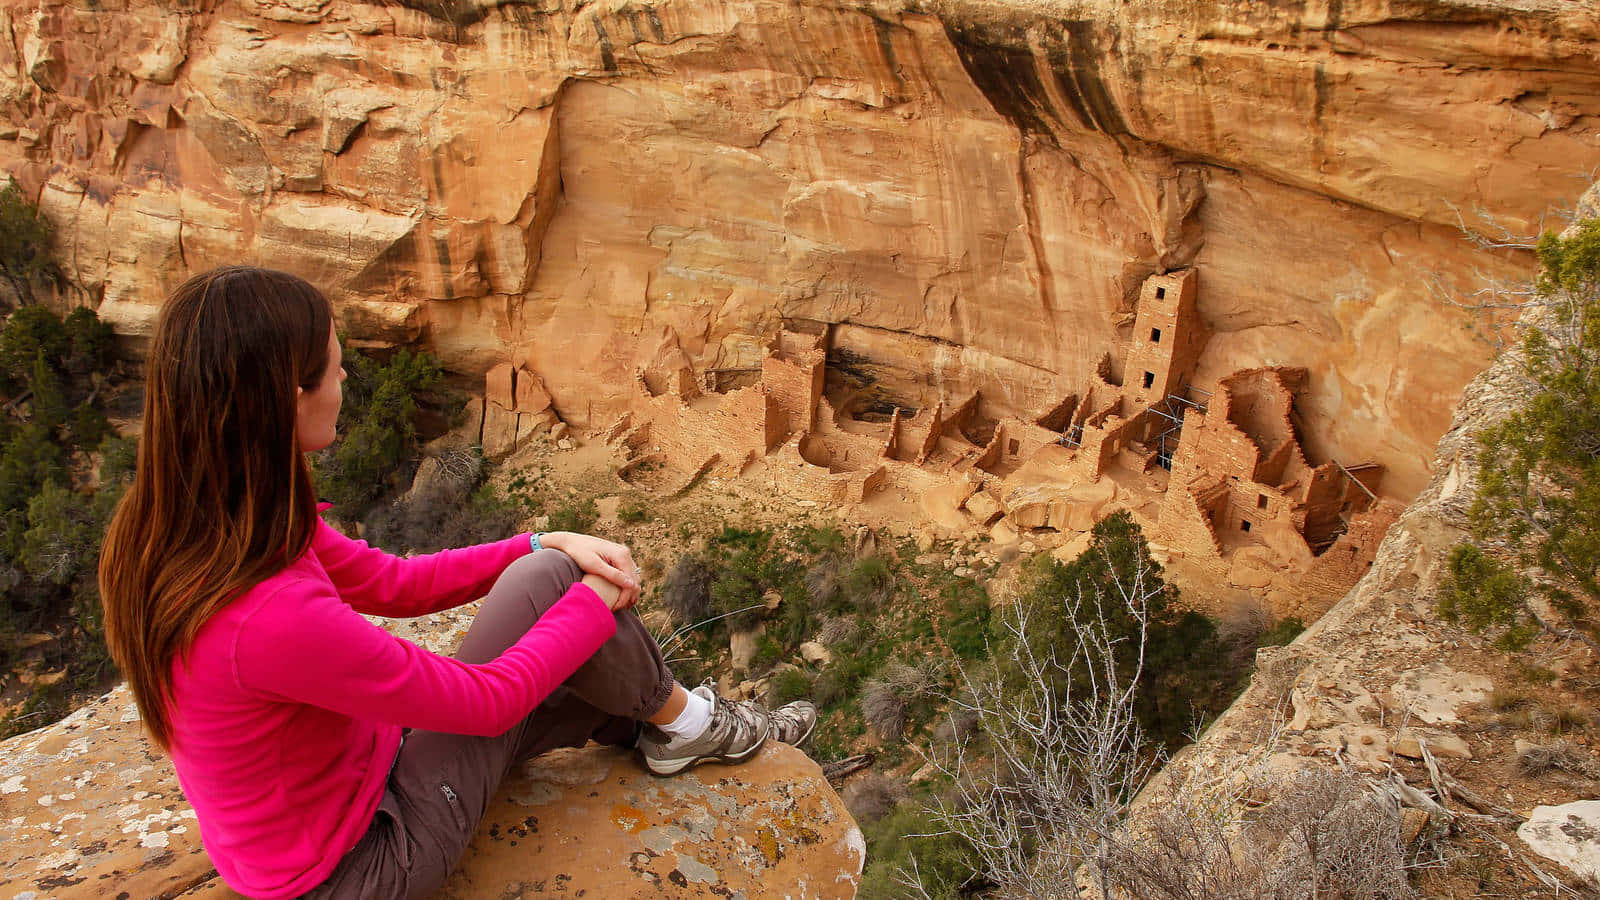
(1349, 558)
(1168, 336)
(1241, 500)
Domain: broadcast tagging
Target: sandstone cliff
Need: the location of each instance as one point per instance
(972, 193)
(1380, 674)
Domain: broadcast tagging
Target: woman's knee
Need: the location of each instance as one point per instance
(543, 577)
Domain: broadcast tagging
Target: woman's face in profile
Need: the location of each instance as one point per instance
(317, 408)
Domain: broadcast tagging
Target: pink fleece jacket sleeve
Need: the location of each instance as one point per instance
(306, 645)
(381, 584)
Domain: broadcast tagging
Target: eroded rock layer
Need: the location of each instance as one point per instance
(971, 195)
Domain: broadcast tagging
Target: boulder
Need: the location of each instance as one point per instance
(89, 810)
(531, 395)
(985, 509)
(742, 648)
(1002, 534)
(499, 387)
(816, 654)
(499, 432)
(1442, 744)
(1568, 834)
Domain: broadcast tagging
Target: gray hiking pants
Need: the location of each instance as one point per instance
(441, 784)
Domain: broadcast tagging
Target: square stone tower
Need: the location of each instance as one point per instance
(1167, 338)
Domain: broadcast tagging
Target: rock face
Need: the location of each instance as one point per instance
(971, 196)
(1380, 676)
(87, 810)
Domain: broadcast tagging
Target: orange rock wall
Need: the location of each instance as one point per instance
(973, 197)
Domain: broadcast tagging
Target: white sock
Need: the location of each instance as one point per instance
(692, 722)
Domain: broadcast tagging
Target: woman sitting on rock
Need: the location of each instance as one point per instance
(322, 755)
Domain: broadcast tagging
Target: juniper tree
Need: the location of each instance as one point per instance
(24, 242)
(1536, 515)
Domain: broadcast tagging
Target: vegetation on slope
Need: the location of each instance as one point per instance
(62, 470)
(1531, 568)
(909, 640)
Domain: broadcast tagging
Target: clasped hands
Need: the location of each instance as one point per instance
(609, 569)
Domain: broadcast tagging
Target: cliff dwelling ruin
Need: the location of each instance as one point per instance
(1219, 477)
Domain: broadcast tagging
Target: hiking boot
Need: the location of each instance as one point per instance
(736, 732)
(792, 723)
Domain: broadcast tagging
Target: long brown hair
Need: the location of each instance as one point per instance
(221, 496)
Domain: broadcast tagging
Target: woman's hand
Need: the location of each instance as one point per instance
(595, 556)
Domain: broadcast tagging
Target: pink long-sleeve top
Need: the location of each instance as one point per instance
(288, 709)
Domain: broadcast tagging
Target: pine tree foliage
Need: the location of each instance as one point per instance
(1536, 516)
(377, 446)
(24, 241)
(53, 512)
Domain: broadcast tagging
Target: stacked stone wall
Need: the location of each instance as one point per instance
(795, 388)
(1167, 338)
(1185, 525)
(1350, 557)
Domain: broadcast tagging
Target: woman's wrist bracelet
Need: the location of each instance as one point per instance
(533, 540)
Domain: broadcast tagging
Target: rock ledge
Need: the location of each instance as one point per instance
(87, 809)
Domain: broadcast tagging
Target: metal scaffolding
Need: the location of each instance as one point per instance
(1173, 409)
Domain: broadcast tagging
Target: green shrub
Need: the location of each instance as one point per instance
(375, 453)
(1186, 670)
(575, 515)
(812, 540)
(50, 531)
(118, 456)
(91, 344)
(89, 426)
(49, 401)
(965, 625)
(787, 685)
(1282, 632)
(870, 583)
(1538, 492)
(841, 680)
(745, 564)
(24, 241)
(944, 861)
(1485, 594)
(31, 459)
(633, 512)
(768, 653)
(30, 333)
(63, 535)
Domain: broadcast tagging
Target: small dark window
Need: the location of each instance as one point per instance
(1016, 447)
(1261, 501)
(1149, 379)
(1155, 335)
(1161, 293)
(1244, 524)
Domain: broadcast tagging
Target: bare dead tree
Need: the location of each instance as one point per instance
(1045, 779)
